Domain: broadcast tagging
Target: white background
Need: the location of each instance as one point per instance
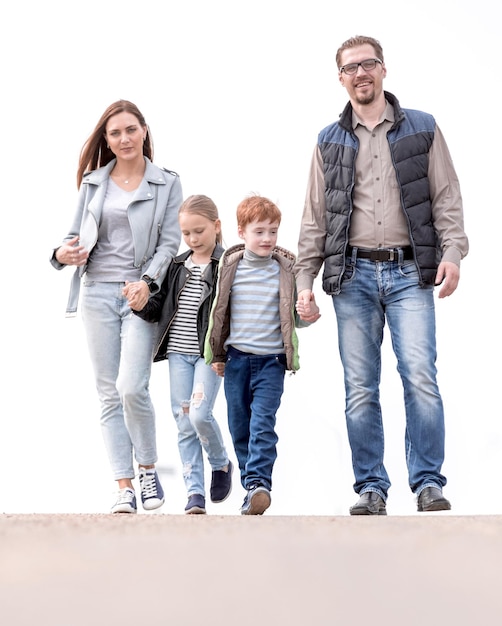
(235, 94)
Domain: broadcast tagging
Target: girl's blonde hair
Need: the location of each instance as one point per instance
(204, 206)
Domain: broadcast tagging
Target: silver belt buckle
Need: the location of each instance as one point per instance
(392, 252)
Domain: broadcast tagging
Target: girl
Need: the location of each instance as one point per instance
(182, 308)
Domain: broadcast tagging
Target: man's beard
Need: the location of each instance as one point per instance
(368, 99)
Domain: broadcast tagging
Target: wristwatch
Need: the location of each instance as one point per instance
(149, 281)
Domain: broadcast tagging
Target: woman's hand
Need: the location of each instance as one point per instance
(137, 294)
(72, 254)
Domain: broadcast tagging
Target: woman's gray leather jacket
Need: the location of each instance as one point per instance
(153, 217)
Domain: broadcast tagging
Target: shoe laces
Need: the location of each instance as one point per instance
(148, 485)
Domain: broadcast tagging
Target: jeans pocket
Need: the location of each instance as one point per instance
(281, 358)
(409, 270)
(348, 273)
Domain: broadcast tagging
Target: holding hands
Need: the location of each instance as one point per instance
(137, 294)
(219, 368)
(306, 306)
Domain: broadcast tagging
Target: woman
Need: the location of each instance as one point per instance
(124, 234)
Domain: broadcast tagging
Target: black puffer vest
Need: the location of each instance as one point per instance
(410, 140)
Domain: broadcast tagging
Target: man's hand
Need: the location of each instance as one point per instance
(449, 274)
(306, 306)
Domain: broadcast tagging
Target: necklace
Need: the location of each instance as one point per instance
(131, 178)
(125, 181)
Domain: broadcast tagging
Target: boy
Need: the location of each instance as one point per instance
(252, 341)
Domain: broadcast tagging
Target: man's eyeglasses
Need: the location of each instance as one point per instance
(367, 65)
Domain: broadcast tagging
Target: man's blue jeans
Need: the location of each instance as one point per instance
(253, 389)
(373, 293)
(194, 387)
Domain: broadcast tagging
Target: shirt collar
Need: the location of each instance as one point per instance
(387, 115)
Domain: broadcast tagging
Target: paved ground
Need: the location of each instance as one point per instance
(76, 570)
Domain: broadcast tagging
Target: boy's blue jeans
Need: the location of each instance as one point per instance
(253, 389)
(373, 293)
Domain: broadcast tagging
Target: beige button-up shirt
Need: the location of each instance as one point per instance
(377, 220)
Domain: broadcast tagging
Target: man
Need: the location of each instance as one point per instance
(383, 213)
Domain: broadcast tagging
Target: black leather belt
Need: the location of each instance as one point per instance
(382, 254)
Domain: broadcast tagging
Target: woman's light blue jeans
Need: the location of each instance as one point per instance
(373, 293)
(194, 387)
(121, 349)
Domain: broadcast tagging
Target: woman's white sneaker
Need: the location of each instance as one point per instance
(126, 501)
